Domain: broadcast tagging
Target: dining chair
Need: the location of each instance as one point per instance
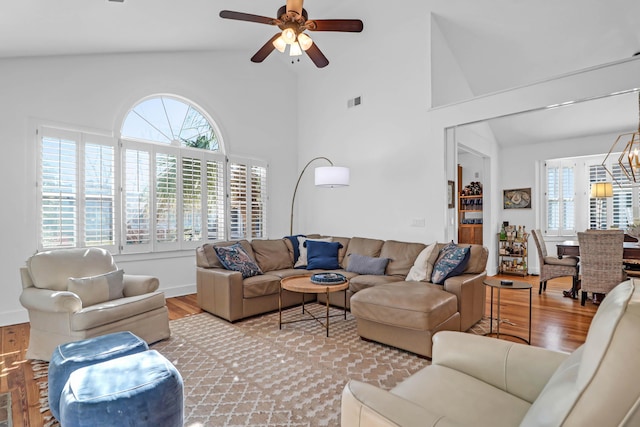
(553, 267)
(601, 260)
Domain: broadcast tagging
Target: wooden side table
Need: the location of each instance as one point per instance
(303, 285)
(495, 284)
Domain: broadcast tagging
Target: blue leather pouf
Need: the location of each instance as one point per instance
(68, 357)
(142, 390)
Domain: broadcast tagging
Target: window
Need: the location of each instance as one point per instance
(560, 197)
(165, 186)
(77, 189)
(616, 211)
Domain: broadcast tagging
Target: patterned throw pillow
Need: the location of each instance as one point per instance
(235, 258)
(452, 261)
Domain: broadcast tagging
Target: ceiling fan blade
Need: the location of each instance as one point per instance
(346, 25)
(317, 56)
(240, 16)
(265, 50)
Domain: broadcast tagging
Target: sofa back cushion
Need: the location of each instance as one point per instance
(271, 254)
(362, 246)
(401, 256)
(597, 385)
(477, 259)
(52, 269)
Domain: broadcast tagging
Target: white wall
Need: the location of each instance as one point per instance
(246, 100)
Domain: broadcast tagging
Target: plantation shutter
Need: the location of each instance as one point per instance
(137, 199)
(258, 201)
(59, 189)
(215, 200)
(166, 197)
(99, 190)
(560, 198)
(247, 198)
(192, 198)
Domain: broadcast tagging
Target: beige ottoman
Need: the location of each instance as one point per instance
(405, 314)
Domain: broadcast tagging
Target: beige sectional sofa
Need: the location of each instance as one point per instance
(456, 305)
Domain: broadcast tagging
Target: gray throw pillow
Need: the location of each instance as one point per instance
(362, 264)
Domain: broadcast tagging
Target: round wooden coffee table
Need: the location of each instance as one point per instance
(303, 285)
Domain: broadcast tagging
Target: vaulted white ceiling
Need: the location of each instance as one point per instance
(497, 44)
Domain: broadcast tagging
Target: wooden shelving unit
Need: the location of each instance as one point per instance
(469, 215)
(513, 256)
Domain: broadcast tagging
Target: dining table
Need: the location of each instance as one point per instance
(630, 255)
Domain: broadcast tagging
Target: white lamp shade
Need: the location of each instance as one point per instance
(332, 176)
(601, 189)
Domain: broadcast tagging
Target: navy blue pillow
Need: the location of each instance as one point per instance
(322, 255)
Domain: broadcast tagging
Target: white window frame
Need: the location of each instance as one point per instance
(81, 139)
(562, 230)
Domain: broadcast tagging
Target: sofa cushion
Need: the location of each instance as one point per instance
(259, 286)
(235, 258)
(451, 262)
(362, 246)
(302, 247)
(271, 254)
(477, 259)
(364, 281)
(401, 256)
(423, 266)
(344, 241)
(96, 289)
(109, 312)
(409, 305)
(52, 269)
(322, 255)
(363, 264)
(206, 255)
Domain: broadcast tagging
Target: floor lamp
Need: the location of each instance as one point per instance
(325, 176)
(599, 191)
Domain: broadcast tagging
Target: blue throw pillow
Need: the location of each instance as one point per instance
(235, 258)
(362, 264)
(451, 262)
(322, 255)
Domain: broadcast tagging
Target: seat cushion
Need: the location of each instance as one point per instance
(112, 311)
(259, 286)
(476, 403)
(364, 281)
(142, 389)
(72, 356)
(411, 305)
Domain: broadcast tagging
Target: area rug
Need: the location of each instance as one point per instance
(251, 373)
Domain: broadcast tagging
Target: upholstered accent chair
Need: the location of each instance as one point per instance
(601, 254)
(553, 267)
(73, 294)
(485, 382)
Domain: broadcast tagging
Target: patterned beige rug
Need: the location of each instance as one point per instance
(250, 373)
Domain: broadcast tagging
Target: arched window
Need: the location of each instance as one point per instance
(166, 186)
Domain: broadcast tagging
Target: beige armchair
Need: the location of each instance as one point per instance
(73, 294)
(480, 381)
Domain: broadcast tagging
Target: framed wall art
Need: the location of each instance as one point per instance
(451, 194)
(519, 198)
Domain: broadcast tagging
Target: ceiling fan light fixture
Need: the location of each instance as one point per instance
(294, 49)
(305, 41)
(280, 44)
(289, 35)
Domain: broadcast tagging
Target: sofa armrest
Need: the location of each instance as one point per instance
(365, 405)
(518, 369)
(136, 284)
(220, 292)
(50, 301)
(470, 290)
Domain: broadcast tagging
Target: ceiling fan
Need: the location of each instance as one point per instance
(293, 20)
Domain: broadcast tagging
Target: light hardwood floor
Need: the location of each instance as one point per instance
(557, 323)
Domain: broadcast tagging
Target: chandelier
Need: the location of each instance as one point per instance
(629, 160)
